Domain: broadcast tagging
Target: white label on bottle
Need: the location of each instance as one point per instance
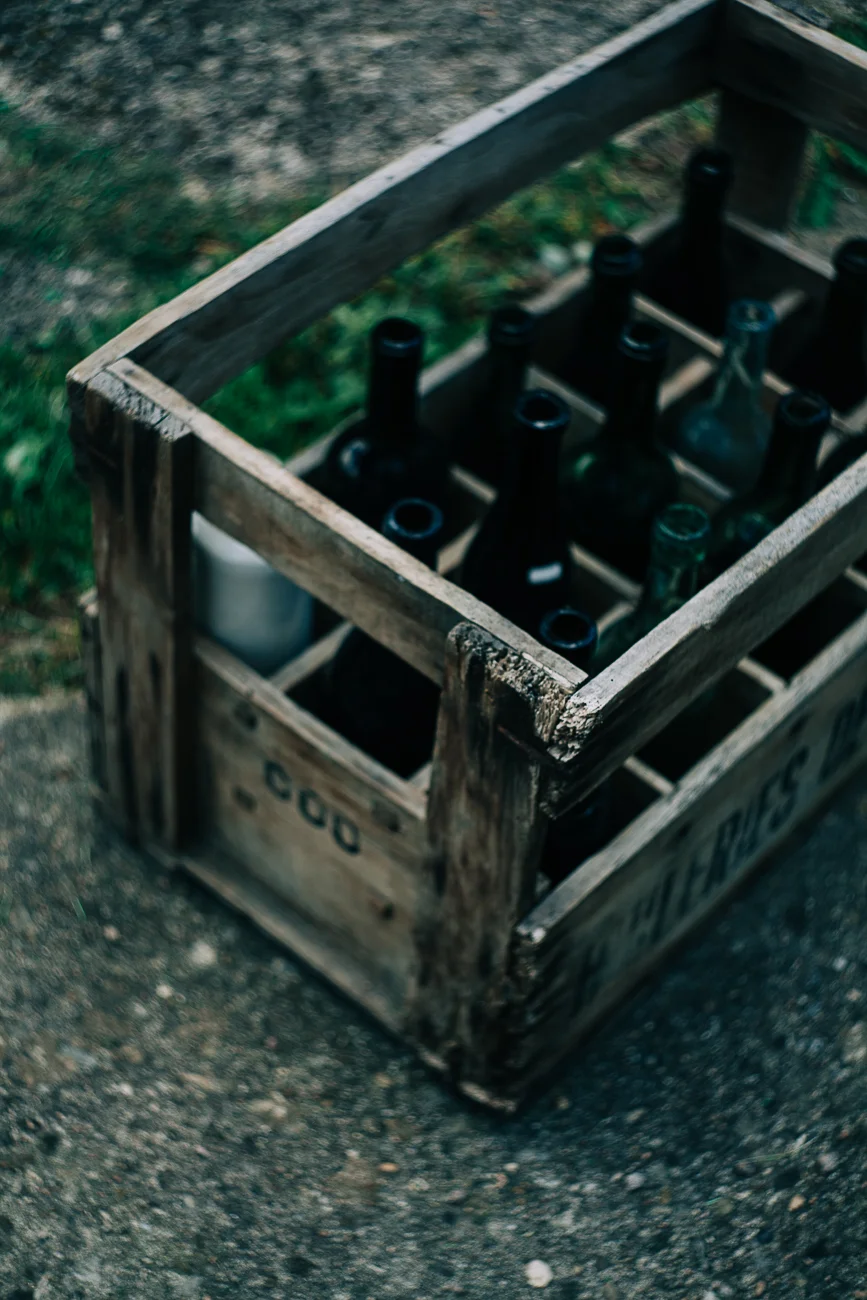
(544, 573)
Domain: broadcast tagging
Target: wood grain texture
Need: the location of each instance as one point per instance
(335, 836)
(769, 55)
(142, 489)
(767, 144)
(624, 705)
(217, 329)
(595, 937)
(91, 655)
(486, 837)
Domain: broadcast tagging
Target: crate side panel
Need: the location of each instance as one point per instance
(334, 844)
(597, 936)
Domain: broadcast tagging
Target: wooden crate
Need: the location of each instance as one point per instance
(417, 894)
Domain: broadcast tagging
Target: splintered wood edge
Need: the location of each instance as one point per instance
(218, 328)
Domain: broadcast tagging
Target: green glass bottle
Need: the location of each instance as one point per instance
(680, 541)
(787, 480)
(728, 434)
(584, 829)
(591, 362)
(482, 445)
(622, 478)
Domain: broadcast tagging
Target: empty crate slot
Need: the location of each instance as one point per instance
(813, 628)
(703, 724)
(595, 821)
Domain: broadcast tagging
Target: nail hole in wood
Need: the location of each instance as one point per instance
(244, 799)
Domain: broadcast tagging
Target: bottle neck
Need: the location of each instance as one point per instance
(743, 364)
(392, 399)
(789, 473)
(702, 222)
(671, 581)
(632, 414)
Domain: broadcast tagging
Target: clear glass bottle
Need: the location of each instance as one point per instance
(622, 478)
(787, 480)
(728, 435)
(373, 697)
(680, 540)
(591, 365)
(834, 361)
(519, 561)
(387, 454)
(693, 283)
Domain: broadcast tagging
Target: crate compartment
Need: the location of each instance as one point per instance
(416, 896)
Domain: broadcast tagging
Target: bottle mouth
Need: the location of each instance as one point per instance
(710, 169)
(512, 326)
(396, 337)
(686, 527)
(543, 411)
(644, 341)
(413, 520)
(617, 257)
(850, 260)
(752, 315)
(803, 410)
(568, 631)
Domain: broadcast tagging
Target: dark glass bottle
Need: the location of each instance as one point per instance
(584, 829)
(519, 561)
(591, 364)
(787, 480)
(386, 454)
(694, 282)
(621, 479)
(484, 443)
(680, 541)
(374, 698)
(834, 361)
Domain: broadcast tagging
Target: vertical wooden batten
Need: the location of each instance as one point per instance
(141, 463)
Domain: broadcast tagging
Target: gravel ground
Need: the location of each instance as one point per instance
(185, 1112)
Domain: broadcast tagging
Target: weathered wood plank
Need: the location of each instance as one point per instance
(486, 838)
(217, 329)
(596, 936)
(620, 708)
(333, 834)
(767, 144)
(91, 654)
(142, 490)
(770, 55)
(368, 580)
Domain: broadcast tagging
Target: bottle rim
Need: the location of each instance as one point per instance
(395, 336)
(512, 326)
(538, 409)
(751, 315)
(568, 630)
(682, 525)
(710, 168)
(850, 260)
(644, 341)
(412, 519)
(804, 410)
(616, 257)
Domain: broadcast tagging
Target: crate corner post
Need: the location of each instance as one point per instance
(140, 465)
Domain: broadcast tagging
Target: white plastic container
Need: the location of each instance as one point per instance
(244, 604)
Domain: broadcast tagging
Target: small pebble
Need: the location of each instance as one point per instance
(709, 1295)
(555, 259)
(634, 1181)
(112, 31)
(164, 991)
(539, 1274)
(383, 1081)
(839, 963)
(111, 933)
(202, 955)
(388, 1167)
(511, 1167)
(797, 1202)
(635, 1115)
(827, 1161)
(855, 1044)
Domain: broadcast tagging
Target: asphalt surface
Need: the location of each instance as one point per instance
(185, 1111)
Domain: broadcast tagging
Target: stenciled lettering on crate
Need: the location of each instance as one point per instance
(715, 830)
